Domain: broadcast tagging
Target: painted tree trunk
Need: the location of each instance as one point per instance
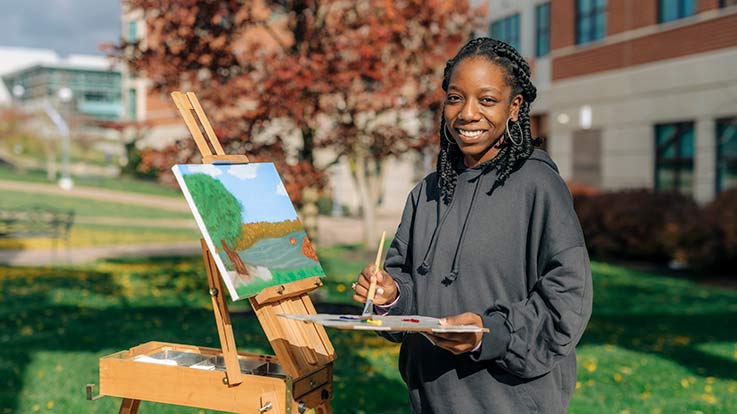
(240, 267)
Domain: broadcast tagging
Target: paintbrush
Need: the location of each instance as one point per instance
(369, 307)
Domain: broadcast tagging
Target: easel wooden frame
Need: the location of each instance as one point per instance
(298, 378)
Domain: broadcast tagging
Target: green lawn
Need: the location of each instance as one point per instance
(654, 345)
(85, 206)
(118, 184)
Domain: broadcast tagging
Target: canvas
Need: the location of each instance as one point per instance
(250, 225)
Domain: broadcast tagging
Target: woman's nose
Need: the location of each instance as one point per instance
(469, 112)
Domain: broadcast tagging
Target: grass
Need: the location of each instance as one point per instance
(118, 184)
(86, 235)
(654, 345)
(84, 207)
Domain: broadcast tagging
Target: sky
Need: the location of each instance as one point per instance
(257, 186)
(65, 26)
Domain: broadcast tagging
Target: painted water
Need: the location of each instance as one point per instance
(283, 253)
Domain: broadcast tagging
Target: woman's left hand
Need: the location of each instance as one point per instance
(459, 342)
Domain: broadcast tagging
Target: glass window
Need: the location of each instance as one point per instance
(669, 10)
(674, 154)
(590, 20)
(726, 153)
(727, 3)
(132, 31)
(542, 29)
(507, 30)
(132, 103)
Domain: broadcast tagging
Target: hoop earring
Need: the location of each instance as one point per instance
(445, 133)
(517, 143)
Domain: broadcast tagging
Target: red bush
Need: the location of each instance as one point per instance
(633, 224)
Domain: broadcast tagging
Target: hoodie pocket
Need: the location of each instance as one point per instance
(526, 398)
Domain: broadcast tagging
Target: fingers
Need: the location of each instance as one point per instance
(454, 343)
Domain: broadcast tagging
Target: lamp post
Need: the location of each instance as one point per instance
(65, 182)
(65, 95)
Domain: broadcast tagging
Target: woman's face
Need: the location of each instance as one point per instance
(477, 105)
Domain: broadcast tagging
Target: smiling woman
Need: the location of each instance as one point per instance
(489, 239)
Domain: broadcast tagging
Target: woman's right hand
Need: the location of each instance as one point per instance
(386, 288)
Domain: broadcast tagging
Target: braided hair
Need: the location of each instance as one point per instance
(511, 156)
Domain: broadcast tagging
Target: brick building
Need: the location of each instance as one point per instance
(633, 93)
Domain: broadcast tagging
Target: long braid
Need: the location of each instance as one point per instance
(511, 156)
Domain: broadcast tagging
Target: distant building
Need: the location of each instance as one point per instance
(632, 93)
(94, 83)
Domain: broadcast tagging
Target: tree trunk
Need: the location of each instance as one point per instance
(308, 144)
(51, 172)
(368, 205)
(240, 267)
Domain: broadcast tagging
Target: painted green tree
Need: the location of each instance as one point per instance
(221, 213)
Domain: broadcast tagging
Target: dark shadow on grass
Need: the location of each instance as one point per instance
(669, 318)
(36, 315)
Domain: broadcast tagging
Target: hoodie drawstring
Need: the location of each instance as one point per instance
(426, 264)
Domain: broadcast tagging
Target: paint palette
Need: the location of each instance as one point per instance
(397, 323)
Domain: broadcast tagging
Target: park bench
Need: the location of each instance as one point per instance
(37, 221)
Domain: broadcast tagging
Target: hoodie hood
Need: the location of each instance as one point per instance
(542, 156)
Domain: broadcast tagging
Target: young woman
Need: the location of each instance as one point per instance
(489, 239)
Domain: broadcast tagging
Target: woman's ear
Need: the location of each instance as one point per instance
(514, 108)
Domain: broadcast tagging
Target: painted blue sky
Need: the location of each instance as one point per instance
(257, 186)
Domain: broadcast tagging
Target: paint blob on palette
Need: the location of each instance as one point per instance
(397, 323)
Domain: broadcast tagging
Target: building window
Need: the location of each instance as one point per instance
(590, 20)
(132, 103)
(132, 31)
(669, 10)
(542, 29)
(726, 3)
(507, 30)
(674, 154)
(726, 153)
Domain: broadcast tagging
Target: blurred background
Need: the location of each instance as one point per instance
(637, 105)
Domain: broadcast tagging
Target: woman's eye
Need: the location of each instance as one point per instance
(452, 98)
(488, 101)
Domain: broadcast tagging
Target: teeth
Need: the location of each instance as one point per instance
(470, 134)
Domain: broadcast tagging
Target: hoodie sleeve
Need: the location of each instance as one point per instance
(398, 264)
(527, 338)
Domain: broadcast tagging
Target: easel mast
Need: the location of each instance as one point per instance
(300, 348)
(298, 378)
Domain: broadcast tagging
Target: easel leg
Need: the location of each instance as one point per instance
(129, 406)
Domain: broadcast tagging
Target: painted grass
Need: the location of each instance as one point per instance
(119, 184)
(654, 345)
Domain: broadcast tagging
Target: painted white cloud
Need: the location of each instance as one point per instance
(280, 190)
(208, 169)
(244, 172)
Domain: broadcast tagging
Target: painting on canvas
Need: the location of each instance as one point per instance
(249, 222)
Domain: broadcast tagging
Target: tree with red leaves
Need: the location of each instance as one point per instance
(361, 79)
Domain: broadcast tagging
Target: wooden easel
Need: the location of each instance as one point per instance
(298, 378)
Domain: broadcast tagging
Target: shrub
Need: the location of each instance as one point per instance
(633, 224)
(709, 239)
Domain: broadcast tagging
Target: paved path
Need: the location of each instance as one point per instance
(331, 230)
(95, 193)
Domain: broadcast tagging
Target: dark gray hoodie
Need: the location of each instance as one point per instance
(514, 254)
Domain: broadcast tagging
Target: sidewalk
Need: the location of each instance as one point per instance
(331, 231)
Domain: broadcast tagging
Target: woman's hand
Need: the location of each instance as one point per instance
(459, 342)
(386, 288)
